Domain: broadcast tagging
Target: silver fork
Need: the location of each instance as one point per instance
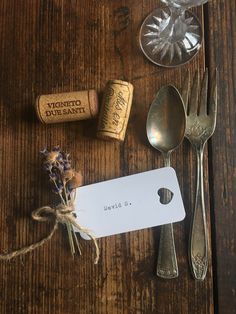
(200, 126)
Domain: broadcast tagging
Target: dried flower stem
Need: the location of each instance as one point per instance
(68, 227)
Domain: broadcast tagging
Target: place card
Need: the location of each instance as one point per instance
(129, 203)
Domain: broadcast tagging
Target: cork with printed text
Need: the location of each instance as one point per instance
(64, 107)
(115, 110)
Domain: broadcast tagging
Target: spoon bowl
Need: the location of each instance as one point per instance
(166, 120)
(166, 123)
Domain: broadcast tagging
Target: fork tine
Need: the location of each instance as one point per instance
(213, 97)
(203, 96)
(193, 102)
(185, 90)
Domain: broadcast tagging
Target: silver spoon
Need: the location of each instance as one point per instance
(166, 123)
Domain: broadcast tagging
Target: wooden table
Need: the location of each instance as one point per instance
(54, 46)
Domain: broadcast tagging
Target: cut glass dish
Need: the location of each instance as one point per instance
(171, 36)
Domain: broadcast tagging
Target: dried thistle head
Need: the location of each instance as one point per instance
(67, 175)
(76, 181)
(52, 156)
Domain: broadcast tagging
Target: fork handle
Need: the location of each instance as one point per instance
(198, 246)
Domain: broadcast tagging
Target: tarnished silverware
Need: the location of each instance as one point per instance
(166, 124)
(201, 122)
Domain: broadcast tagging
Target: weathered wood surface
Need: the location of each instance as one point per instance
(53, 46)
(221, 53)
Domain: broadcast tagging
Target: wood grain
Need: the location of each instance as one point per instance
(59, 46)
(221, 53)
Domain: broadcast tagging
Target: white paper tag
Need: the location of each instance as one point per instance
(129, 203)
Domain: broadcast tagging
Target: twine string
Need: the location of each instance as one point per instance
(61, 214)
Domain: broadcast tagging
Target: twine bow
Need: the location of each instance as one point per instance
(61, 214)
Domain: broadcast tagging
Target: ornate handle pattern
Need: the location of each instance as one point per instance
(198, 247)
(167, 263)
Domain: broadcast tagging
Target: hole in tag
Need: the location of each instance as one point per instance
(165, 196)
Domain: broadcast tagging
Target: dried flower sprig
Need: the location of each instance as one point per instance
(64, 181)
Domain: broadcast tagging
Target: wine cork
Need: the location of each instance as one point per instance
(115, 110)
(63, 107)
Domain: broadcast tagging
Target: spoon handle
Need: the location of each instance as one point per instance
(167, 266)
